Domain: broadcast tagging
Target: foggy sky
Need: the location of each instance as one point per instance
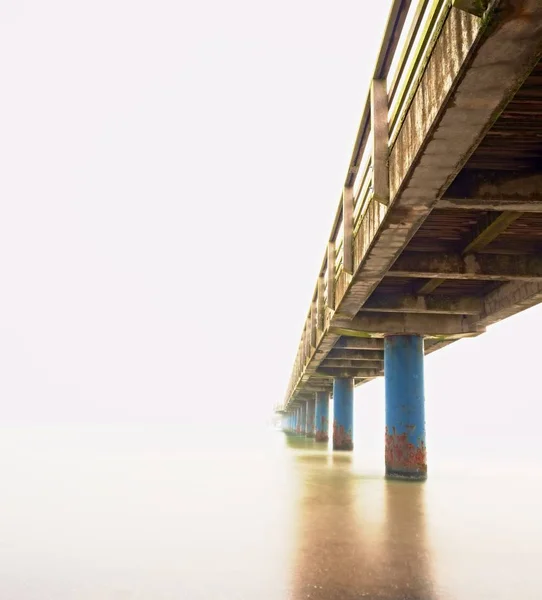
(170, 171)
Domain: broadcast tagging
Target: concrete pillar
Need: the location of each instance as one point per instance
(297, 423)
(322, 416)
(310, 428)
(303, 418)
(343, 413)
(405, 407)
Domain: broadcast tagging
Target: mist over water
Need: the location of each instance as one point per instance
(158, 512)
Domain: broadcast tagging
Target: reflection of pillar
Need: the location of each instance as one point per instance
(322, 416)
(404, 552)
(405, 418)
(343, 413)
(310, 417)
(303, 418)
(358, 538)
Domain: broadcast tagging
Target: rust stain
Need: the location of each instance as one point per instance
(404, 457)
(342, 439)
(321, 432)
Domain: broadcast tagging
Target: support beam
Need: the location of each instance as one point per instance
(353, 354)
(519, 204)
(343, 413)
(382, 324)
(405, 416)
(423, 304)
(337, 363)
(380, 130)
(349, 372)
(303, 418)
(489, 228)
(322, 417)
(473, 7)
(483, 267)
(310, 424)
(365, 343)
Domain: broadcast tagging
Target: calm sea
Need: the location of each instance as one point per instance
(155, 513)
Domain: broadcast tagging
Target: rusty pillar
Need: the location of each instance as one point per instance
(343, 413)
(405, 407)
(303, 418)
(322, 416)
(310, 427)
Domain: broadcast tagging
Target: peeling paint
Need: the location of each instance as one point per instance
(403, 458)
(322, 429)
(342, 439)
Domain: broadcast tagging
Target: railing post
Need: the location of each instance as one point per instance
(331, 275)
(348, 226)
(320, 319)
(313, 324)
(380, 129)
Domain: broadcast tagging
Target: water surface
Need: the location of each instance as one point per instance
(159, 513)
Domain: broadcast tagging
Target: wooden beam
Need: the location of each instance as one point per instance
(423, 304)
(427, 324)
(380, 130)
(331, 275)
(483, 267)
(365, 343)
(357, 354)
(473, 7)
(488, 228)
(354, 364)
(348, 229)
(519, 203)
(349, 372)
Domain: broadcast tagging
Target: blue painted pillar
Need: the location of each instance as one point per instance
(303, 418)
(322, 416)
(405, 407)
(343, 413)
(297, 419)
(310, 428)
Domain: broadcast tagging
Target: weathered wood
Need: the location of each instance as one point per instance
(314, 332)
(348, 227)
(484, 267)
(533, 205)
(473, 7)
(379, 124)
(331, 275)
(352, 354)
(320, 315)
(349, 372)
(382, 324)
(489, 228)
(423, 304)
(364, 343)
(367, 364)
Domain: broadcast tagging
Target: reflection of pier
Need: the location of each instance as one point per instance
(357, 537)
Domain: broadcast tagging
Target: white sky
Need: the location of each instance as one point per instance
(170, 171)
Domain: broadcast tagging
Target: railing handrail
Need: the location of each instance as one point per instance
(404, 78)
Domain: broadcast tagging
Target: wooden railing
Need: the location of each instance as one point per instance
(411, 32)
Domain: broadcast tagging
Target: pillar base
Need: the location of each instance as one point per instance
(321, 437)
(391, 474)
(342, 439)
(309, 435)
